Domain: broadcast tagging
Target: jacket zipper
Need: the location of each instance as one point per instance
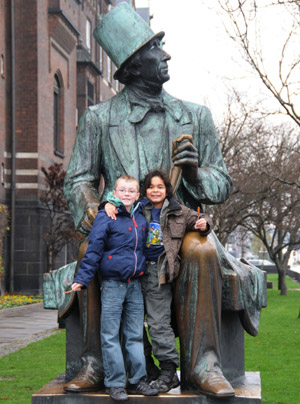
(135, 247)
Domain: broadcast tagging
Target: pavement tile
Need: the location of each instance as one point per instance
(20, 323)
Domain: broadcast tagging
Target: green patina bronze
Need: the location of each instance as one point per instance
(132, 133)
(113, 35)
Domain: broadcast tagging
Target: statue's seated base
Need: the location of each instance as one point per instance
(247, 389)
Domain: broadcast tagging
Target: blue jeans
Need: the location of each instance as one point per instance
(122, 309)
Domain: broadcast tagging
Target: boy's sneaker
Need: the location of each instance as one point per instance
(152, 370)
(142, 387)
(165, 382)
(117, 393)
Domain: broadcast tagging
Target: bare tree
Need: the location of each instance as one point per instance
(246, 28)
(234, 130)
(61, 226)
(264, 164)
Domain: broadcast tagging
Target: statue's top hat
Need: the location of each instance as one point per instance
(121, 33)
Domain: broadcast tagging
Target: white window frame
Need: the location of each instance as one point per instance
(88, 36)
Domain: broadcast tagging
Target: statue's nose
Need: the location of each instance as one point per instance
(166, 56)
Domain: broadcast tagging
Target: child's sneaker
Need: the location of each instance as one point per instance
(117, 393)
(142, 387)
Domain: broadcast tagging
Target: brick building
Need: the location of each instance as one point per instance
(51, 69)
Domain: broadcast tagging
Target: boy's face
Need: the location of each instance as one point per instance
(156, 192)
(127, 192)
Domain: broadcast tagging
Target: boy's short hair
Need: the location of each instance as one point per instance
(128, 178)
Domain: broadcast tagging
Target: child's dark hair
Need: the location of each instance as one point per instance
(164, 176)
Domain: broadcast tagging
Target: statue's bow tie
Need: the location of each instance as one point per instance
(139, 111)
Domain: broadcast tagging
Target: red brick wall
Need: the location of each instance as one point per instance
(55, 56)
(26, 81)
(4, 91)
(45, 44)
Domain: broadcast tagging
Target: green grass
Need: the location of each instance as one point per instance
(290, 283)
(274, 353)
(24, 372)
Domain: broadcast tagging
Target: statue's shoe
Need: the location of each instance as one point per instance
(86, 380)
(215, 384)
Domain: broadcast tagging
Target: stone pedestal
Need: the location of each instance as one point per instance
(247, 389)
(232, 345)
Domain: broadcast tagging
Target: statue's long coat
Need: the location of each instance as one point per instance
(107, 144)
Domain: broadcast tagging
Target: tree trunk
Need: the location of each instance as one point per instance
(50, 260)
(282, 282)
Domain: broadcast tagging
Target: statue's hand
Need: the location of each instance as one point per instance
(186, 156)
(111, 210)
(92, 212)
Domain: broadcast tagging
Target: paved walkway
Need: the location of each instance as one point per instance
(22, 325)
(294, 272)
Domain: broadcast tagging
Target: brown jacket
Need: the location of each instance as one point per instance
(176, 220)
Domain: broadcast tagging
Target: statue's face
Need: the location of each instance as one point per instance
(153, 66)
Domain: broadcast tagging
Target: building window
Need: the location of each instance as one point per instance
(109, 70)
(2, 66)
(101, 59)
(88, 35)
(58, 116)
(2, 173)
(90, 97)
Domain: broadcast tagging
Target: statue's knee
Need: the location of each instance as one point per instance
(195, 246)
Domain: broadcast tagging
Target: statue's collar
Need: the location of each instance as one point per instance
(140, 106)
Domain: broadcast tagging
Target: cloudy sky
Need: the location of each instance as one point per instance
(205, 61)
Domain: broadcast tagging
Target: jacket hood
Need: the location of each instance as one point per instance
(111, 198)
(171, 204)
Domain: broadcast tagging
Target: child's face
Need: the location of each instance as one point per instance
(156, 192)
(127, 192)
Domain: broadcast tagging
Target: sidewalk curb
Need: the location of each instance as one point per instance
(23, 306)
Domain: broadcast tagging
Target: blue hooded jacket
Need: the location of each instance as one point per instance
(115, 247)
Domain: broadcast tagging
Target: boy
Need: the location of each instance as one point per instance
(116, 250)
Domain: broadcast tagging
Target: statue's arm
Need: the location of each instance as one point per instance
(211, 183)
(82, 180)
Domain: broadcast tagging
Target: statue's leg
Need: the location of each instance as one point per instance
(91, 375)
(198, 296)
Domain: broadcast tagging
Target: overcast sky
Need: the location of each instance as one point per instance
(205, 61)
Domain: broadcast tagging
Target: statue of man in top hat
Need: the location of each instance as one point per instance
(132, 133)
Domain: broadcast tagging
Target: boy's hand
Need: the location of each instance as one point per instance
(76, 287)
(111, 210)
(201, 224)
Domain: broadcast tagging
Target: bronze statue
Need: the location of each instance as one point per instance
(132, 133)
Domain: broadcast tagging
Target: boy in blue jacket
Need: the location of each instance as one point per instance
(115, 249)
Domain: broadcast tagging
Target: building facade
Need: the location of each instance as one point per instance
(51, 70)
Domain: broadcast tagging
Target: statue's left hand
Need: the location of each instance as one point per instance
(92, 212)
(186, 156)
